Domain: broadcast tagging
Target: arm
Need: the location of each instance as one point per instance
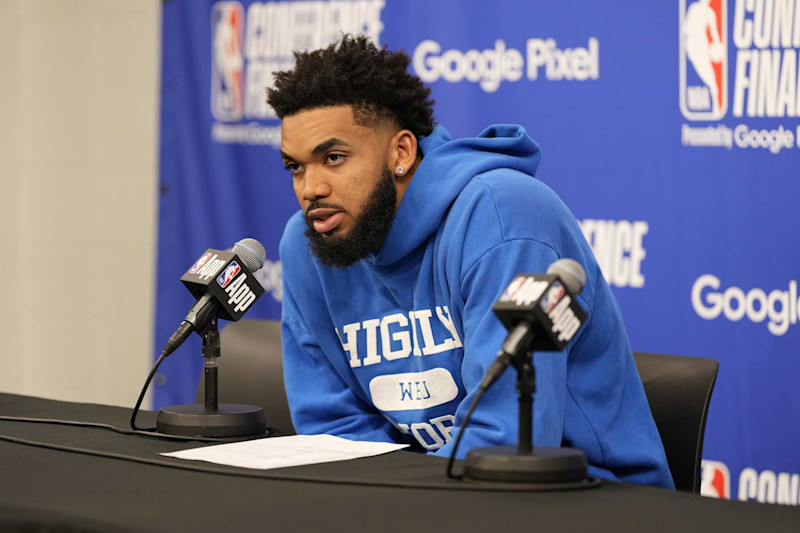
(320, 399)
(494, 422)
(589, 396)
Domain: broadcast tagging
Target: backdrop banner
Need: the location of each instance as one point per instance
(669, 128)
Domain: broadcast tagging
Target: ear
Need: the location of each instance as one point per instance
(403, 154)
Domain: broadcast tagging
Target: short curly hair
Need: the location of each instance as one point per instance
(357, 73)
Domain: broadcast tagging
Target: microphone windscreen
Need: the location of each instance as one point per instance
(251, 252)
(571, 273)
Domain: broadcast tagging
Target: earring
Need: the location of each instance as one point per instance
(400, 171)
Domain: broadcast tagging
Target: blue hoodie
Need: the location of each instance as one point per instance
(393, 348)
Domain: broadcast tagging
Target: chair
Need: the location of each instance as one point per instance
(251, 370)
(678, 389)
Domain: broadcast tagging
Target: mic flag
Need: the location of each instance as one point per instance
(545, 304)
(226, 279)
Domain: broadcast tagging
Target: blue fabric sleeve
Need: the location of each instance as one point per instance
(494, 421)
(597, 405)
(332, 408)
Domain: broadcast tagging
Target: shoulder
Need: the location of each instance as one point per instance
(513, 205)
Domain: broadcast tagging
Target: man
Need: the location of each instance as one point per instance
(387, 323)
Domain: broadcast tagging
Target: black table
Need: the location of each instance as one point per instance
(45, 489)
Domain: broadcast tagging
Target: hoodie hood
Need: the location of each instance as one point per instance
(446, 168)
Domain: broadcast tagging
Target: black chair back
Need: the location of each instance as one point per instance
(251, 370)
(678, 389)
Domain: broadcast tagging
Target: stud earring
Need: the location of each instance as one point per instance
(400, 171)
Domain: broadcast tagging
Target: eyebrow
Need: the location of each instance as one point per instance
(320, 148)
(327, 145)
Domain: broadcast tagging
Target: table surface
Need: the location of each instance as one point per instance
(104, 481)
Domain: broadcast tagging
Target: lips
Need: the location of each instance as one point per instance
(325, 220)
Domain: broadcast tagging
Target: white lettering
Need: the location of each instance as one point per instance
(396, 336)
(774, 140)
(565, 323)
(444, 317)
(492, 66)
(618, 248)
(748, 484)
(719, 135)
(571, 63)
(779, 306)
(529, 291)
(768, 81)
(698, 98)
(700, 307)
(371, 327)
(429, 344)
(444, 424)
(774, 23)
(351, 344)
(211, 268)
(417, 352)
(433, 434)
(272, 32)
(769, 487)
(787, 492)
(438, 441)
(240, 294)
(488, 68)
(401, 336)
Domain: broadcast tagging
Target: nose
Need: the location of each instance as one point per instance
(315, 185)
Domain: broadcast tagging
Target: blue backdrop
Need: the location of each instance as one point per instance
(669, 128)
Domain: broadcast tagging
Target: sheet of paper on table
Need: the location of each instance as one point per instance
(282, 452)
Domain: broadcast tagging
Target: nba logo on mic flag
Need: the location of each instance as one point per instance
(715, 480)
(200, 262)
(703, 59)
(229, 274)
(227, 61)
(552, 297)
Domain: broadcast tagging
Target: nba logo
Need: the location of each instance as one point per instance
(512, 289)
(552, 297)
(200, 262)
(715, 480)
(229, 274)
(703, 59)
(227, 61)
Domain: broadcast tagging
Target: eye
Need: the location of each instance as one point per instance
(294, 168)
(335, 159)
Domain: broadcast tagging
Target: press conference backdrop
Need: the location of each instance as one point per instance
(669, 128)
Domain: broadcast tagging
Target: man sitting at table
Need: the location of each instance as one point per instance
(404, 240)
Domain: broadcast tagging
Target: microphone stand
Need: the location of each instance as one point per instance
(212, 419)
(526, 387)
(526, 466)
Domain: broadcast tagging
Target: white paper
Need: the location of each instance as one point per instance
(282, 452)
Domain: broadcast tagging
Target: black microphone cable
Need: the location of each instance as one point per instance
(164, 354)
(135, 430)
(492, 374)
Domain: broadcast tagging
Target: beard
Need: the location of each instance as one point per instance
(368, 232)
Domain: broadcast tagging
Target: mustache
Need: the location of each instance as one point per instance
(316, 204)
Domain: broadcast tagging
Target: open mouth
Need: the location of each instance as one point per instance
(325, 220)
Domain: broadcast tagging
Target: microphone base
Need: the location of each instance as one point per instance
(228, 420)
(547, 468)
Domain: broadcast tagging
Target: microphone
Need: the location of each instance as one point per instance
(224, 286)
(540, 313)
